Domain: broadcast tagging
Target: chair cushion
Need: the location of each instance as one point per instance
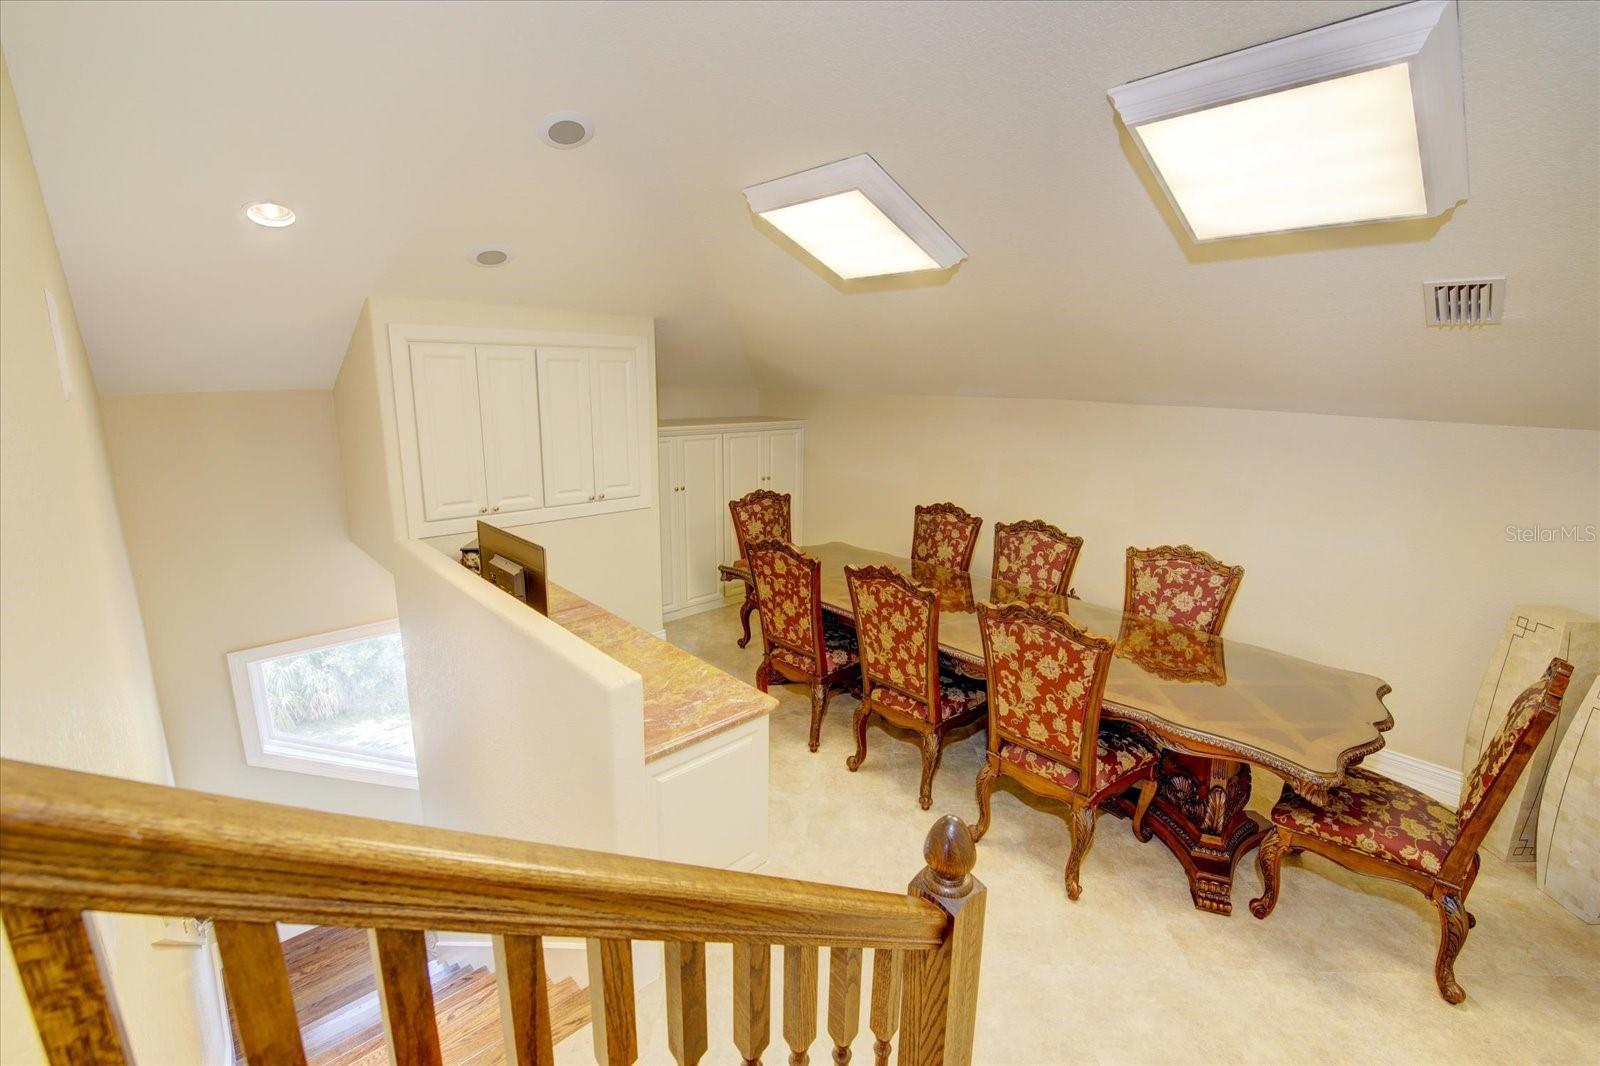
(1118, 753)
(840, 641)
(1376, 815)
(957, 696)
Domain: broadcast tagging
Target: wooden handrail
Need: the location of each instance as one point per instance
(73, 842)
(86, 842)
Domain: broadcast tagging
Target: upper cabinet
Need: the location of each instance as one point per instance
(526, 432)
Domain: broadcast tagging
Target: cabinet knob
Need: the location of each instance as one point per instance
(602, 495)
(495, 508)
(591, 495)
(483, 510)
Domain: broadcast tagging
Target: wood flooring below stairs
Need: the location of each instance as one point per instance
(341, 1022)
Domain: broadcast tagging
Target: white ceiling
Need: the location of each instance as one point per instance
(406, 134)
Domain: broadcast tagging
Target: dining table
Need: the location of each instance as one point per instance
(1216, 707)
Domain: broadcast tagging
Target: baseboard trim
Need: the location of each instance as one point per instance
(699, 608)
(1440, 782)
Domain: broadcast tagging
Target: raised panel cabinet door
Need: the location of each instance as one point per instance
(615, 385)
(566, 439)
(742, 472)
(671, 543)
(444, 383)
(785, 450)
(508, 396)
(703, 508)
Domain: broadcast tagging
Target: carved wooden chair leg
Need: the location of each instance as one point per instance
(745, 610)
(931, 750)
(1081, 823)
(853, 763)
(1147, 792)
(820, 695)
(1269, 861)
(1453, 926)
(986, 778)
(764, 674)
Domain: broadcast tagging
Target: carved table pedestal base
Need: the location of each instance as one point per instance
(1199, 814)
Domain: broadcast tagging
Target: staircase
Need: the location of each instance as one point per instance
(335, 992)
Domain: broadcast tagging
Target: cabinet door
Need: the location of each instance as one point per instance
(703, 508)
(444, 381)
(566, 436)
(614, 381)
(783, 454)
(671, 542)
(508, 396)
(742, 468)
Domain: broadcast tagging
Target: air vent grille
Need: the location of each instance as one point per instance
(1464, 302)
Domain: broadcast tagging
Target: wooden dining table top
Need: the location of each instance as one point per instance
(1200, 693)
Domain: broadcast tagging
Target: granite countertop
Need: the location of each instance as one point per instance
(686, 699)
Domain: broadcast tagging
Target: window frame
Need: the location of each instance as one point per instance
(262, 745)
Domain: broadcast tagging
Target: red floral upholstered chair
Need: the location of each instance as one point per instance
(902, 680)
(1376, 826)
(1035, 555)
(944, 535)
(762, 515)
(1180, 586)
(802, 645)
(1046, 679)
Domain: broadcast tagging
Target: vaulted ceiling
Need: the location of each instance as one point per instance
(406, 134)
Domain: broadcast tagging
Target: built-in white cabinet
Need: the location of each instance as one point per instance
(526, 432)
(702, 466)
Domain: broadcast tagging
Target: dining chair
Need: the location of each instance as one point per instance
(1378, 826)
(1046, 679)
(944, 535)
(1035, 555)
(802, 645)
(1180, 585)
(903, 680)
(760, 515)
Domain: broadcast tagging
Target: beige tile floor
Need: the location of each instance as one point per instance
(1132, 973)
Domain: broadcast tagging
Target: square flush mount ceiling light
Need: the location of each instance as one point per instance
(1360, 121)
(854, 219)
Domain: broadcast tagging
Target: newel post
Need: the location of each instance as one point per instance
(940, 1005)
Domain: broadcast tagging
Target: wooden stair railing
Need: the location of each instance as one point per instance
(73, 842)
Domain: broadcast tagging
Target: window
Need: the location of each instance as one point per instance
(332, 704)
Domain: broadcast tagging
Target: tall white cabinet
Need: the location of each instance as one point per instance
(702, 465)
(523, 427)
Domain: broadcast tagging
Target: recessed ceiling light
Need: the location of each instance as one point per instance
(267, 213)
(566, 129)
(854, 219)
(1359, 121)
(491, 255)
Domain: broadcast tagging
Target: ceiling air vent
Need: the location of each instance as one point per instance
(1464, 302)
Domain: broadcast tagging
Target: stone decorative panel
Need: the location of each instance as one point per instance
(1569, 814)
(1532, 636)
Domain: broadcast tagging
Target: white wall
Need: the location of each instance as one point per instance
(1375, 545)
(234, 518)
(522, 729)
(75, 680)
(707, 401)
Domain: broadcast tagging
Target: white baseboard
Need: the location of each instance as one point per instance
(699, 608)
(1440, 782)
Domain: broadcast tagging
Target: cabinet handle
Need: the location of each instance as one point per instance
(602, 495)
(483, 510)
(495, 508)
(591, 496)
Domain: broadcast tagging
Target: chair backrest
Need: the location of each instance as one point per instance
(1503, 761)
(1181, 586)
(1035, 555)
(1046, 678)
(944, 535)
(788, 596)
(761, 515)
(897, 633)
